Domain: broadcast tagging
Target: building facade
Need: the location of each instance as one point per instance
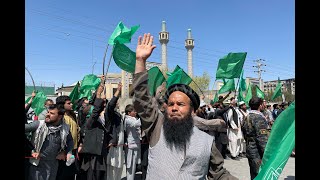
(287, 85)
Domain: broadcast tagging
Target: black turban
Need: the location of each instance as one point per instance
(186, 90)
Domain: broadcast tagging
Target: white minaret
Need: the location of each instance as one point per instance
(189, 44)
(164, 39)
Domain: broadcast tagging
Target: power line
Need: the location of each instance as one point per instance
(178, 58)
(259, 64)
(196, 53)
(84, 24)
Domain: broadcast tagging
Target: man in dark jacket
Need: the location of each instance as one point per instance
(256, 135)
(221, 137)
(98, 136)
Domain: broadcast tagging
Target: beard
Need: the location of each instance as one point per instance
(177, 133)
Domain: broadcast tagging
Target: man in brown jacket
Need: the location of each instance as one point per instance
(178, 149)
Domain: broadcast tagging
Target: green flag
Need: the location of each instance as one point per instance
(38, 102)
(27, 100)
(277, 91)
(74, 95)
(243, 85)
(215, 97)
(178, 76)
(124, 57)
(230, 66)
(279, 146)
(260, 94)
(155, 79)
(86, 93)
(227, 86)
(184, 76)
(248, 95)
(89, 82)
(240, 96)
(122, 34)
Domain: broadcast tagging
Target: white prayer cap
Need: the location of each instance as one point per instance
(241, 103)
(202, 103)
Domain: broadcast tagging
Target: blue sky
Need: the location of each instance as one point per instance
(64, 39)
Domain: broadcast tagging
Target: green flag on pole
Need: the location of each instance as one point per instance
(178, 76)
(156, 78)
(215, 97)
(240, 96)
(122, 34)
(277, 91)
(227, 86)
(38, 102)
(26, 101)
(260, 94)
(86, 93)
(248, 95)
(74, 95)
(243, 85)
(89, 82)
(124, 57)
(279, 146)
(184, 76)
(230, 66)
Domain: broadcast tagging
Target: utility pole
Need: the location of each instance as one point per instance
(259, 64)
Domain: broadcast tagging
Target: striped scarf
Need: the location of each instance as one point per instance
(44, 129)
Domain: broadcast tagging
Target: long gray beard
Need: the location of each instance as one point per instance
(177, 133)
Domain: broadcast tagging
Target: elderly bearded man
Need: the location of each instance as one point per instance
(177, 149)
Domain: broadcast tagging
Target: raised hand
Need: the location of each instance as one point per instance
(33, 94)
(117, 93)
(119, 86)
(144, 47)
(102, 78)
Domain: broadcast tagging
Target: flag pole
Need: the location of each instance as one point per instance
(34, 86)
(235, 91)
(105, 77)
(198, 87)
(108, 64)
(104, 59)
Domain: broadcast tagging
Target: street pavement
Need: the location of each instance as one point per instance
(240, 169)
